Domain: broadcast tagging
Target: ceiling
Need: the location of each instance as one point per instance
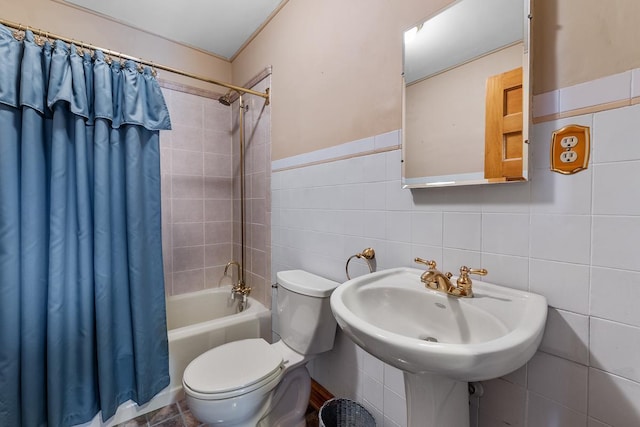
(220, 27)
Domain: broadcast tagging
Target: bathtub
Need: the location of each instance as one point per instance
(197, 322)
(200, 321)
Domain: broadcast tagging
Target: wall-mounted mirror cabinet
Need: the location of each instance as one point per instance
(467, 95)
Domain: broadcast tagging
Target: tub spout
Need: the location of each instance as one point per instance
(238, 288)
(229, 264)
(243, 303)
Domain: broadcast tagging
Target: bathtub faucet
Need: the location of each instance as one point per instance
(238, 288)
(241, 290)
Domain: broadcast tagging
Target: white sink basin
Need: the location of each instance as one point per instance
(418, 330)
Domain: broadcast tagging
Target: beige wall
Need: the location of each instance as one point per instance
(581, 40)
(336, 69)
(77, 24)
(336, 64)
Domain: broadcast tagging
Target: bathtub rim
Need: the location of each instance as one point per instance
(255, 309)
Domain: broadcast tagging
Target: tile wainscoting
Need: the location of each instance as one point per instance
(570, 238)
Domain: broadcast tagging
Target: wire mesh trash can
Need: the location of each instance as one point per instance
(345, 413)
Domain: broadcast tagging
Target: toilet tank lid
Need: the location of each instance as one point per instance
(305, 283)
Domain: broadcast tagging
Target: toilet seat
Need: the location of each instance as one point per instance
(233, 369)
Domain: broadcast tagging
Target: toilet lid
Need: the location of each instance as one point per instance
(232, 366)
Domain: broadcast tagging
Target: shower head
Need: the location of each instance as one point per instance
(225, 99)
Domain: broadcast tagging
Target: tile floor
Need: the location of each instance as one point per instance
(179, 415)
(174, 415)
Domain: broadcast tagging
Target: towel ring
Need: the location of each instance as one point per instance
(368, 254)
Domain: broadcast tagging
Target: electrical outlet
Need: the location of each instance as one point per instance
(570, 148)
(568, 156)
(569, 141)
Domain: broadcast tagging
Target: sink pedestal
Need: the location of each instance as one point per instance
(436, 401)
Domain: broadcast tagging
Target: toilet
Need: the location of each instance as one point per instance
(253, 383)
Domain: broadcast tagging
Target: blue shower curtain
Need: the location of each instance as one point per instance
(82, 310)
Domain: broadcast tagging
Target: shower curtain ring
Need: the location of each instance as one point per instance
(39, 38)
(19, 34)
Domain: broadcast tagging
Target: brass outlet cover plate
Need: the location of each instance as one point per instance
(570, 149)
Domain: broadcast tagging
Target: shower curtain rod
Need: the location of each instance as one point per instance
(46, 34)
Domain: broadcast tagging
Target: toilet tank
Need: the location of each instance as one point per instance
(305, 319)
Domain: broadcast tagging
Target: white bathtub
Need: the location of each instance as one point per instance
(202, 320)
(197, 322)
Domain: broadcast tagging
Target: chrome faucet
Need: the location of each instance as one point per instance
(239, 288)
(435, 279)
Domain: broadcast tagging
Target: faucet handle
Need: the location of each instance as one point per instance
(429, 263)
(464, 280)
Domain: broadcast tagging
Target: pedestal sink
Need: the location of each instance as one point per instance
(441, 342)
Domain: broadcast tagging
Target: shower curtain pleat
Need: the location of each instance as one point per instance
(82, 314)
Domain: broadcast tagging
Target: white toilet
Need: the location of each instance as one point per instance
(253, 383)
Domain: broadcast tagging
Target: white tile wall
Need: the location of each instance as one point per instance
(394, 408)
(615, 241)
(613, 400)
(506, 270)
(615, 348)
(561, 237)
(613, 192)
(616, 88)
(592, 422)
(618, 128)
(546, 103)
(600, 91)
(543, 412)
(565, 285)
(566, 335)
(560, 380)
(610, 305)
(462, 230)
(573, 239)
(503, 404)
(506, 234)
(518, 377)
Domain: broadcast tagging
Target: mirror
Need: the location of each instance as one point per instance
(466, 95)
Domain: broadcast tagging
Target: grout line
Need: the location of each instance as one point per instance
(184, 423)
